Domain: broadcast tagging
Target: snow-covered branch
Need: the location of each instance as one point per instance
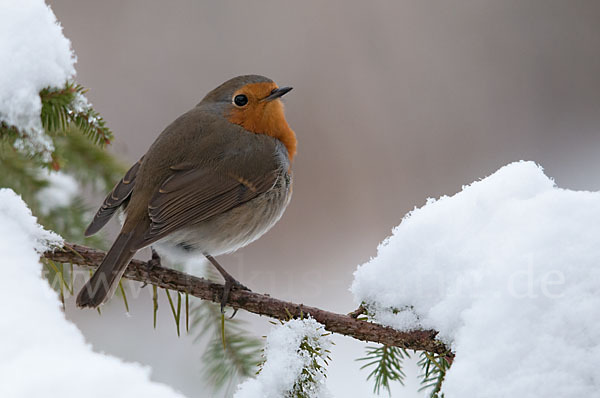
(257, 303)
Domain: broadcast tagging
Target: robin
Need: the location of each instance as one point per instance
(215, 179)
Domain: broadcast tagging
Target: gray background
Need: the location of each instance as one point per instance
(394, 102)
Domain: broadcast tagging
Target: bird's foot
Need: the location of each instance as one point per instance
(155, 260)
(152, 263)
(230, 284)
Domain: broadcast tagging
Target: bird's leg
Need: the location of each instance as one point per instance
(153, 262)
(230, 282)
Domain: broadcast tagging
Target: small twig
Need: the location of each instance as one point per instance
(357, 312)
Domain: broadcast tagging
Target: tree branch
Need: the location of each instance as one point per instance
(257, 303)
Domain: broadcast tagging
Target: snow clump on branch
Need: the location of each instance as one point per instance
(508, 271)
(296, 355)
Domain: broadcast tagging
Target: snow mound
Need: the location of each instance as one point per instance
(508, 271)
(41, 353)
(285, 361)
(34, 54)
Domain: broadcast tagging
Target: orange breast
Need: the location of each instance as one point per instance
(264, 117)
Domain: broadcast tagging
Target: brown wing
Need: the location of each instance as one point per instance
(115, 198)
(191, 195)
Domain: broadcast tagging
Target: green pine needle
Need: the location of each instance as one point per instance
(223, 331)
(154, 303)
(65, 107)
(224, 365)
(304, 387)
(386, 362)
(433, 372)
(175, 312)
(187, 313)
(123, 295)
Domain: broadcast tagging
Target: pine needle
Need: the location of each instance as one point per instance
(232, 353)
(155, 302)
(433, 368)
(187, 313)
(175, 313)
(223, 330)
(124, 296)
(386, 362)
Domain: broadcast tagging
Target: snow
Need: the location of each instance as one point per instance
(508, 272)
(285, 361)
(60, 192)
(41, 353)
(34, 54)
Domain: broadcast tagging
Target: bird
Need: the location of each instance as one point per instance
(216, 179)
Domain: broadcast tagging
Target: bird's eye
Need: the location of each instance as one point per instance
(240, 100)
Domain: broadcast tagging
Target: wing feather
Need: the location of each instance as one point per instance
(120, 193)
(193, 195)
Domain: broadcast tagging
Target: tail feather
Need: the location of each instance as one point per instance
(105, 280)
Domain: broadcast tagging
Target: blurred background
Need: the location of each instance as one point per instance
(393, 102)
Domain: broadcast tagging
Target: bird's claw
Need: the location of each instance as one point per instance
(230, 284)
(153, 262)
(235, 310)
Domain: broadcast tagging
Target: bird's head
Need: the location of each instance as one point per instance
(254, 103)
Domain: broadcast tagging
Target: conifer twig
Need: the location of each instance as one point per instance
(262, 304)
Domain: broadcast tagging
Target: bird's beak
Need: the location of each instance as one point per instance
(278, 92)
